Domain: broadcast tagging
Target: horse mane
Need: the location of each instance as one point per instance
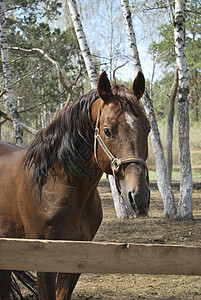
(68, 140)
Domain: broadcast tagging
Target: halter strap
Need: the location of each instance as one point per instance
(116, 163)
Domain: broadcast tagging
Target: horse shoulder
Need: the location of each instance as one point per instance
(91, 216)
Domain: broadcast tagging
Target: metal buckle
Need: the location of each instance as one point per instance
(96, 133)
(115, 165)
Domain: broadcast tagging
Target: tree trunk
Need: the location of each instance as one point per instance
(121, 209)
(161, 167)
(0, 128)
(196, 95)
(170, 123)
(8, 79)
(91, 69)
(186, 183)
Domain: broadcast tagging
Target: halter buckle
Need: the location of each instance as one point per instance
(96, 133)
(115, 165)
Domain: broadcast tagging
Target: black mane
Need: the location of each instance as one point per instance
(68, 140)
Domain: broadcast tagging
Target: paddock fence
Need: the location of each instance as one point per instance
(99, 257)
(195, 160)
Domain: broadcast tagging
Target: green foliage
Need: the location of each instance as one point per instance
(165, 48)
(195, 145)
(161, 89)
(128, 84)
(38, 92)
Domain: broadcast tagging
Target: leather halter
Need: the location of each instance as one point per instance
(116, 163)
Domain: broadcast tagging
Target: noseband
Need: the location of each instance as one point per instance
(116, 163)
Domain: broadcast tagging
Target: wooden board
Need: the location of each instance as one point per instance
(90, 257)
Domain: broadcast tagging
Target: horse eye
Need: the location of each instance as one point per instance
(107, 132)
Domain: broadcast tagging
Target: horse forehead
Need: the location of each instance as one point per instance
(113, 108)
(130, 119)
(112, 112)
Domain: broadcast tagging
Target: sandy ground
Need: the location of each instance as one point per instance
(148, 230)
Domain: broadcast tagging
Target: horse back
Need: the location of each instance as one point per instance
(6, 148)
(11, 166)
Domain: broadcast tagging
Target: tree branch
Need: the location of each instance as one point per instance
(172, 16)
(22, 78)
(25, 127)
(55, 63)
(14, 8)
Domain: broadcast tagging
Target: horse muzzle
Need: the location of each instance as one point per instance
(134, 186)
(139, 202)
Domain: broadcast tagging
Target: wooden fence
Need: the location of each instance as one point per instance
(92, 257)
(175, 167)
(195, 162)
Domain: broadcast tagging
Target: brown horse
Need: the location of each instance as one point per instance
(49, 191)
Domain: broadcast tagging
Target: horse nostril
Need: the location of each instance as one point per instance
(131, 197)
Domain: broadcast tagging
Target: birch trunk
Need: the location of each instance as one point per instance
(120, 208)
(8, 79)
(170, 123)
(186, 183)
(91, 69)
(161, 167)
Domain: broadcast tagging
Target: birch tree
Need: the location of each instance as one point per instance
(170, 124)
(91, 69)
(186, 182)
(161, 167)
(8, 79)
(120, 208)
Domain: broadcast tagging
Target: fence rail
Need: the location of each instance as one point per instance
(92, 257)
(175, 167)
(196, 160)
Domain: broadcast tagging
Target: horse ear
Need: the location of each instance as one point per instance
(138, 86)
(104, 87)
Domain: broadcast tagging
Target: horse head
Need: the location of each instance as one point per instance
(121, 140)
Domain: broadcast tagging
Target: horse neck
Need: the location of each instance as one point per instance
(91, 172)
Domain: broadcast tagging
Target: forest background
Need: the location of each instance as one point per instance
(41, 32)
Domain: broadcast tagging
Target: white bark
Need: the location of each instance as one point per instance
(186, 182)
(8, 79)
(162, 176)
(131, 35)
(121, 209)
(161, 167)
(91, 70)
(170, 123)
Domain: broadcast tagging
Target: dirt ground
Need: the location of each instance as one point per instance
(147, 230)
